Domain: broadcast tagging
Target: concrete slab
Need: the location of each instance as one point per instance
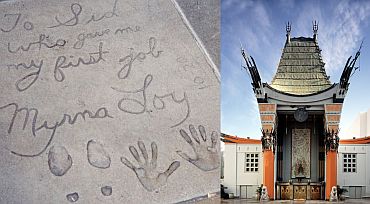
(101, 101)
(204, 17)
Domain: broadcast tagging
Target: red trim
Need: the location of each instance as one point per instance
(240, 140)
(363, 140)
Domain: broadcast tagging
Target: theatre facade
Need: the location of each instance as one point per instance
(243, 169)
(300, 112)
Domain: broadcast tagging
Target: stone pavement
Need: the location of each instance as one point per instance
(91, 111)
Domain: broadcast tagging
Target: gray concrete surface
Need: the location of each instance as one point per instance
(204, 16)
(125, 77)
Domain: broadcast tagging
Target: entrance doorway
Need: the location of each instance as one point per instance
(300, 172)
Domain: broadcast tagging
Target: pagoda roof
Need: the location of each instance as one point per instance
(301, 68)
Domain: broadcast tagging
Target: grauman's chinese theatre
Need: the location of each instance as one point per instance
(300, 112)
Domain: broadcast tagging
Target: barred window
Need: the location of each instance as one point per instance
(349, 163)
(251, 162)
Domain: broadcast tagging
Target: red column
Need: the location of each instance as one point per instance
(331, 172)
(268, 119)
(268, 172)
(332, 119)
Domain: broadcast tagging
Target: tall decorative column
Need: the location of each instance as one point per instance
(268, 120)
(332, 118)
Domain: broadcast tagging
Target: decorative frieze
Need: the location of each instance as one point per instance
(332, 116)
(334, 108)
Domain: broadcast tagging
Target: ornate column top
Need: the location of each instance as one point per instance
(331, 140)
(268, 140)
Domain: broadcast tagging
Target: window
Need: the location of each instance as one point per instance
(349, 163)
(251, 162)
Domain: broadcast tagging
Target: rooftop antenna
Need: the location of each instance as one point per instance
(242, 51)
(288, 28)
(315, 27)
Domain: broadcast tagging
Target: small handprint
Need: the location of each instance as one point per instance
(147, 174)
(206, 157)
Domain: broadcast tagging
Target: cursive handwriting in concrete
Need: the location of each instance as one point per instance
(128, 60)
(27, 81)
(83, 36)
(38, 44)
(159, 104)
(188, 66)
(127, 29)
(37, 125)
(27, 25)
(76, 10)
(62, 63)
(109, 14)
(157, 101)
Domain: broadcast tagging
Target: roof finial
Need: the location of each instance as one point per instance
(315, 27)
(288, 28)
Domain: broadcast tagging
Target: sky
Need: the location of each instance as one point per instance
(259, 26)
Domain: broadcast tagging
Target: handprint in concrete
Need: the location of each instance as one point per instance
(207, 157)
(146, 171)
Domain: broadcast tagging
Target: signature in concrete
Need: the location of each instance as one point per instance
(134, 106)
(30, 117)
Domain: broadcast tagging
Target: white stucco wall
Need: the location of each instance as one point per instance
(362, 175)
(229, 180)
(234, 172)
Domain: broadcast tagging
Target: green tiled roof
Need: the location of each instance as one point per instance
(301, 69)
